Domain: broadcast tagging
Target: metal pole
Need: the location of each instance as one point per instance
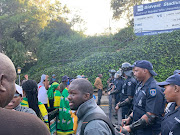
(19, 80)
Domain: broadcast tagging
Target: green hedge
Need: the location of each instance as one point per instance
(162, 50)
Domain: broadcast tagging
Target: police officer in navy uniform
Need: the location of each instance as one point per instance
(111, 87)
(171, 122)
(128, 90)
(148, 103)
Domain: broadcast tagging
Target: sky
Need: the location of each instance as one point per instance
(96, 14)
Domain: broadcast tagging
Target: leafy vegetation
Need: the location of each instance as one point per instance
(93, 55)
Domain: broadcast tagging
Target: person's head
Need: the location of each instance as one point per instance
(18, 96)
(30, 92)
(65, 78)
(78, 76)
(143, 69)
(100, 75)
(112, 73)
(126, 69)
(42, 81)
(80, 90)
(172, 88)
(55, 86)
(53, 76)
(7, 80)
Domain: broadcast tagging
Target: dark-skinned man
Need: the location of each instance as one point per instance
(15, 122)
(148, 102)
(81, 100)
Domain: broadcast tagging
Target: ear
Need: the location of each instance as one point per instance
(176, 88)
(86, 96)
(2, 88)
(145, 71)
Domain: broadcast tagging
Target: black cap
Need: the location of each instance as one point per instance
(146, 65)
(174, 79)
(64, 78)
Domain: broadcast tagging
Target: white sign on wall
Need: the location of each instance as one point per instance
(157, 17)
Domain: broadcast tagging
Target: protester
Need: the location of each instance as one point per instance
(54, 96)
(170, 124)
(15, 122)
(15, 102)
(63, 83)
(53, 79)
(98, 84)
(30, 100)
(67, 120)
(42, 92)
(81, 99)
(148, 102)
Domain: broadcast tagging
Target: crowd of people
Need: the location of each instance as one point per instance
(142, 105)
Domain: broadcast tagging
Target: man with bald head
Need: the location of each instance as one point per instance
(81, 100)
(10, 120)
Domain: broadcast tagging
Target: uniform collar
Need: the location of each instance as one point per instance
(148, 81)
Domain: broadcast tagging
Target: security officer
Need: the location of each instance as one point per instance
(148, 102)
(170, 124)
(111, 87)
(128, 90)
(119, 81)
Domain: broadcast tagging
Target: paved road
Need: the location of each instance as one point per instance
(105, 107)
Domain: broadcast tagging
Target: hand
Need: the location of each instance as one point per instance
(127, 128)
(109, 92)
(117, 107)
(122, 131)
(46, 78)
(104, 92)
(26, 76)
(125, 121)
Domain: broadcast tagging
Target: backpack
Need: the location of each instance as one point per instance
(96, 116)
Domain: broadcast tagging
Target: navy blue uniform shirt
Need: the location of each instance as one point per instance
(171, 122)
(128, 88)
(149, 98)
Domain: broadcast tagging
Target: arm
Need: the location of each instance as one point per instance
(146, 120)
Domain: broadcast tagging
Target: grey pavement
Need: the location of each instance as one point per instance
(105, 106)
(104, 99)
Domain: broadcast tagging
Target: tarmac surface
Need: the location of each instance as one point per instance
(105, 107)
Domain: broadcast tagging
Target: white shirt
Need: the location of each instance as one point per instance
(42, 95)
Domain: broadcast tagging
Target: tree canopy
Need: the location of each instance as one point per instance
(20, 23)
(125, 7)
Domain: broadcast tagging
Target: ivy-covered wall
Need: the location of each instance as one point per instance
(163, 51)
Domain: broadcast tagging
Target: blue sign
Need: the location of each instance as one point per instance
(158, 17)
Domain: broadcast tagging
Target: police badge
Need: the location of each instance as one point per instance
(153, 92)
